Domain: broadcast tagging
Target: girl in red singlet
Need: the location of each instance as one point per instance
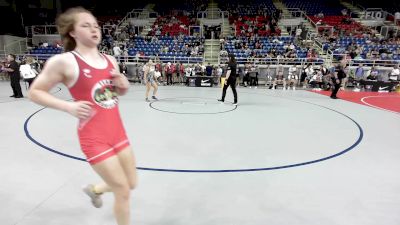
(95, 83)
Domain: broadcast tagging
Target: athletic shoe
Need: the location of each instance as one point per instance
(154, 97)
(147, 100)
(220, 100)
(96, 198)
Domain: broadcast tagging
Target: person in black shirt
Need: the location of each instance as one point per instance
(123, 68)
(13, 71)
(337, 80)
(209, 70)
(230, 79)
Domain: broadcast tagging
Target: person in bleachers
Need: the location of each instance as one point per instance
(344, 12)
(312, 55)
(117, 50)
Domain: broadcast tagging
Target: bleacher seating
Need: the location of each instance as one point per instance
(268, 44)
(46, 50)
(312, 7)
(152, 49)
(340, 47)
(171, 26)
(339, 24)
(260, 22)
(249, 8)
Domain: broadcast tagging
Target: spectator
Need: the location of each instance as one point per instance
(209, 70)
(394, 74)
(13, 71)
(117, 50)
(29, 70)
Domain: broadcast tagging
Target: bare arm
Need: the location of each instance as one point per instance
(8, 69)
(228, 73)
(53, 73)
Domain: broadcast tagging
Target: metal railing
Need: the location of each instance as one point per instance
(43, 29)
(137, 13)
(16, 47)
(366, 62)
(275, 61)
(164, 59)
(221, 14)
(126, 59)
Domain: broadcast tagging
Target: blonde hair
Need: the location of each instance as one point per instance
(29, 60)
(65, 24)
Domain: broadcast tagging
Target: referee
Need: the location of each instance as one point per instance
(230, 79)
(337, 78)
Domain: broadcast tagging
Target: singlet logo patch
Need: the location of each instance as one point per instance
(86, 73)
(104, 94)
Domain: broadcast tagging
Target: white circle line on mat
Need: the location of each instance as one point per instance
(377, 107)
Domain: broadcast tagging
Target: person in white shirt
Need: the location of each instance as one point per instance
(117, 51)
(188, 71)
(293, 77)
(219, 74)
(203, 69)
(307, 74)
(315, 80)
(29, 70)
(394, 74)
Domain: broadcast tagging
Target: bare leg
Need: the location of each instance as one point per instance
(155, 88)
(148, 86)
(113, 174)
